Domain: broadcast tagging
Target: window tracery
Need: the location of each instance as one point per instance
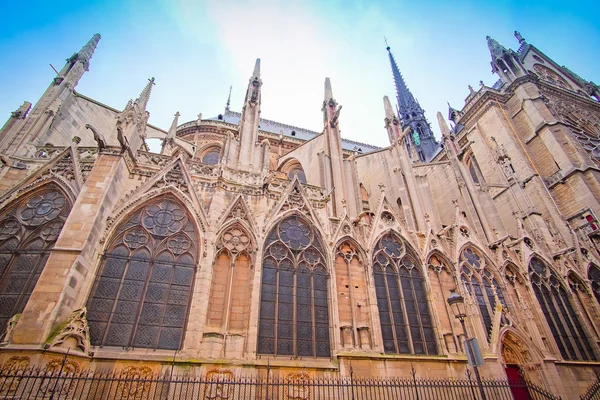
(28, 232)
(406, 323)
(559, 313)
(594, 277)
(481, 284)
(294, 313)
(142, 293)
(584, 124)
(551, 76)
(211, 156)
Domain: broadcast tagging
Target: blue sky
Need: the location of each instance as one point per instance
(196, 49)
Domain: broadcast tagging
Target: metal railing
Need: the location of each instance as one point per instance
(58, 384)
(593, 392)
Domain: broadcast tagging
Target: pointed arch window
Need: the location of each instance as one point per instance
(142, 293)
(294, 312)
(481, 285)
(211, 156)
(556, 306)
(594, 277)
(28, 231)
(406, 323)
(474, 169)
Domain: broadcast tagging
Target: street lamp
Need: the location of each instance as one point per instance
(457, 305)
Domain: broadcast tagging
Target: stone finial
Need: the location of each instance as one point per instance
(85, 54)
(387, 105)
(520, 38)
(142, 100)
(328, 90)
(173, 129)
(471, 90)
(496, 49)
(256, 72)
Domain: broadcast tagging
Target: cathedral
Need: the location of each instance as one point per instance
(248, 245)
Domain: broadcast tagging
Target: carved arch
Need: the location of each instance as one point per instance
(411, 247)
(400, 285)
(29, 228)
(133, 205)
(292, 166)
(517, 349)
(294, 303)
(557, 307)
(142, 292)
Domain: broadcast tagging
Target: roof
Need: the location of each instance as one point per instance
(266, 125)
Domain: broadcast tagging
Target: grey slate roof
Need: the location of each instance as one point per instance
(266, 125)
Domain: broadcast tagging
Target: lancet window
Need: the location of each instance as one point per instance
(28, 231)
(294, 313)
(594, 277)
(556, 306)
(142, 293)
(406, 323)
(481, 285)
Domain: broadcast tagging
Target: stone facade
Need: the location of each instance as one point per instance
(248, 244)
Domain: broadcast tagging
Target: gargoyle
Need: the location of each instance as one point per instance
(122, 139)
(97, 137)
(336, 115)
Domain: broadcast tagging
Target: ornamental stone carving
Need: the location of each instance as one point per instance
(10, 327)
(76, 328)
(135, 382)
(218, 387)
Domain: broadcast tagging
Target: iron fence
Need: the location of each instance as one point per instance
(45, 384)
(593, 392)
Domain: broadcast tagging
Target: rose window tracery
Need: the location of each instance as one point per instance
(472, 258)
(294, 312)
(235, 240)
(584, 124)
(551, 76)
(29, 228)
(42, 208)
(142, 293)
(164, 218)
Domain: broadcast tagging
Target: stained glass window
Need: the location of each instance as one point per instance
(211, 157)
(481, 285)
(406, 323)
(556, 306)
(28, 231)
(297, 171)
(142, 293)
(294, 305)
(594, 276)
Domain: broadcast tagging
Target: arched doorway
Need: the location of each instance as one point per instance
(519, 363)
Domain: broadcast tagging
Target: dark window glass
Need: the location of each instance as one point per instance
(212, 157)
(28, 231)
(406, 323)
(594, 276)
(142, 293)
(297, 171)
(294, 305)
(556, 306)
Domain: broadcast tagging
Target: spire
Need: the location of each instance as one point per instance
(256, 72)
(403, 94)
(496, 49)
(389, 111)
(328, 90)
(443, 125)
(173, 128)
(253, 92)
(228, 99)
(85, 54)
(412, 115)
(142, 100)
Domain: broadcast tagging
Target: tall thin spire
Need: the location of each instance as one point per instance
(256, 73)
(228, 99)
(85, 54)
(412, 115)
(142, 100)
(496, 49)
(403, 94)
(173, 129)
(328, 90)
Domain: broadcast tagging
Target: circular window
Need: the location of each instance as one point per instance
(211, 157)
